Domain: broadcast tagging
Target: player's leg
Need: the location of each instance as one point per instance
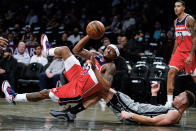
(170, 84)
(170, 80)
(72, 65)
(176, 64)
(70, 113)
(13, 97)
(63, 51)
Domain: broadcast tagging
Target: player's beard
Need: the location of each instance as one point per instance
(106, 59)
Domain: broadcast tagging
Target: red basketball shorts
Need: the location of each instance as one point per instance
(79, 84)
(178, 61)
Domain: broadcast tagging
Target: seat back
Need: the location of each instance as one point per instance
(33, 70)
(21, 69)
(139, 86)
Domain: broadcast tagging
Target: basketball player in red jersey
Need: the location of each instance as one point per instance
(183, 55)
(97, 75)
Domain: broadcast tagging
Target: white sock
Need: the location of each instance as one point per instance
(51, 51)
(170, 98)
(21, 98)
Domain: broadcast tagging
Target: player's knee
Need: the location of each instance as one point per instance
(172, 73)
(44, 93)
(65, 49)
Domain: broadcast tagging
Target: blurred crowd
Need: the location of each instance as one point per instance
(142, 30)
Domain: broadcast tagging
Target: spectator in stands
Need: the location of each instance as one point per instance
(75, 37)
(106, 42)
(115, 25)
(48, 5)
(83, 19)
(136, 47)
(157, 31)
(123, 42)
(27, 36)
(124, 48)
(31, 18)
(81, 34)
(119, 39)
(65, 42)
(32, 40)
(9, 15)
(16, 32)
(103, 20)
(21, 55)
(38, 58)
(167, 46)
(129, 21)
(52, 73)
(8, 66)
(11, 40)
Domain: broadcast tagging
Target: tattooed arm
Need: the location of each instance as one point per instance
(79, 48)
(192, 27)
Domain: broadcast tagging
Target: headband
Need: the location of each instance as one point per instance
(115, 48)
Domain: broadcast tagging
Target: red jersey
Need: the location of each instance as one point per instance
(91, 85)
(183, 35)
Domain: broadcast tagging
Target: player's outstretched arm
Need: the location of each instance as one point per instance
(79, 48)
(171, 117)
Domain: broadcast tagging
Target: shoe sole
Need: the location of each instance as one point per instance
(42, 42)
(59, 117)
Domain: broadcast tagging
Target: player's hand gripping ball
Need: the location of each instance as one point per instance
(95, 30)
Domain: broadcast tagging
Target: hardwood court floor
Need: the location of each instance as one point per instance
(35, 116)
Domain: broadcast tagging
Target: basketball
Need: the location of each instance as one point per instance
(95, 30)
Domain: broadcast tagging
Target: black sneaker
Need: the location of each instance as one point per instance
(64, 114)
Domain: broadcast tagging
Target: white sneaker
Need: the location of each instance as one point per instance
(45, 45)
(8, 91)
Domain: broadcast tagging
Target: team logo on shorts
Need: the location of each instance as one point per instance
(54, 90)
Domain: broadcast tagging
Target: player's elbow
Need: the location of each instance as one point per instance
(164, 123)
